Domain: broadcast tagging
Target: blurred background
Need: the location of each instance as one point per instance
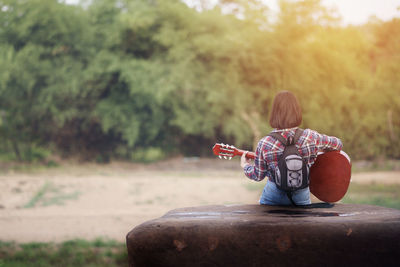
(109, 108)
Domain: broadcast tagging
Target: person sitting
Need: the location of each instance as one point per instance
(285, 118)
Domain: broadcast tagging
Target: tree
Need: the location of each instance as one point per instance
(45, 50)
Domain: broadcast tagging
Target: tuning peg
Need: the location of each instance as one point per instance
(230, 158)
(225, 157)
(220, 157)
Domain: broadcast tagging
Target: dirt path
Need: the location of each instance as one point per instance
(91, 201)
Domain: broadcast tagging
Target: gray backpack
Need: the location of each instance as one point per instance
(292, 173)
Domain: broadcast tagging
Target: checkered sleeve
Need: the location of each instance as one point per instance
(325, 142)
(258, 171)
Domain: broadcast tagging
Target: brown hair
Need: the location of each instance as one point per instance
(286, 111)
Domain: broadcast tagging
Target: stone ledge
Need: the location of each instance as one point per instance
(257, 235)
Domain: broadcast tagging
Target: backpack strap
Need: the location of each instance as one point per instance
(297, 135)
(282, 139)
(290, 197)
(279, 137)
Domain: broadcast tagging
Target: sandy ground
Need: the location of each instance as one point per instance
(106, 201)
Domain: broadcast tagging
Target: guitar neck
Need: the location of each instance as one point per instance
(249, 155)
(227, 151)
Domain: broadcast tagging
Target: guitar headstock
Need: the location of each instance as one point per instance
(225, 151)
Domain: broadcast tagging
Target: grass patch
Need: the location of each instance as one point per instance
(23, 167)
(49, 194)
(69, 253)
(374, 194)
(375, 165)
(38, 196)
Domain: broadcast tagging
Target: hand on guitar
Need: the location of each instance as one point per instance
(244, 160)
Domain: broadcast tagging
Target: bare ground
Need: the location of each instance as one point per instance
(89, 201)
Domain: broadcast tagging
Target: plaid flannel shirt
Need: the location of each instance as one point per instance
(269, 150)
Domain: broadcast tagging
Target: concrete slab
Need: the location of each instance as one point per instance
(257, 235)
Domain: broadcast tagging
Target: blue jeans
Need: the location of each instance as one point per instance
(273, 196)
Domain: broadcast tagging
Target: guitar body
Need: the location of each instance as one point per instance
(330, 176)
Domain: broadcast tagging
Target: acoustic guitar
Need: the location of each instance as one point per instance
(329, 175)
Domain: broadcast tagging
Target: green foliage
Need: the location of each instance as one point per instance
(150, 154)
(70, 253)
(128, 78)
